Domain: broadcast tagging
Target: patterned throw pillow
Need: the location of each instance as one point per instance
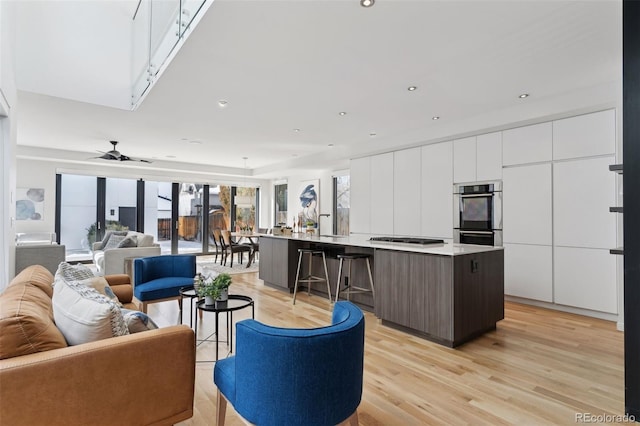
(138, 321)
(101, 285)
(83, 315)
(107, 237)
(130, 241)
(114, 242)
(69, 272)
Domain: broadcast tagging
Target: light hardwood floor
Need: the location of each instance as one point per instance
(538, 367)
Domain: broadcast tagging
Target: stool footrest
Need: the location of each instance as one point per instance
(311, 278)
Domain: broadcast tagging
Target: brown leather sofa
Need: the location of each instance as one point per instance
(145, 378)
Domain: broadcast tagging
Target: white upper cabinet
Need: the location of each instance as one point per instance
(437, 190)
(489, 157)
(360, 202)
(583, 191)
(585, 135)
(464, 160)
(382, 198)
(526, 204)
(406, 191)
(530, 144)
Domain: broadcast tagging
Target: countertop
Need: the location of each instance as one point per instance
(445, 249)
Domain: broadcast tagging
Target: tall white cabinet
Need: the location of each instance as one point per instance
(360, 202)
(407, 191)
(527, 231)
(382, 195)
(437, 190)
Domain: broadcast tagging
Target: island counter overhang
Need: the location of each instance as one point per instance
(448, 293)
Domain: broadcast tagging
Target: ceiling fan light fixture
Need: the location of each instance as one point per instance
(115, 155)
(367, 3)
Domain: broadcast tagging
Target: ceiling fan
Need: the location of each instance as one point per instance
(114, 154)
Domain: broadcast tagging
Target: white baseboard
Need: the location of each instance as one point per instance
(578, 311)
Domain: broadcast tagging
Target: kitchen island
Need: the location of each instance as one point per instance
(448, 293)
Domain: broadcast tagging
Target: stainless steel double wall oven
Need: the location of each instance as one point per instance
(479, 216)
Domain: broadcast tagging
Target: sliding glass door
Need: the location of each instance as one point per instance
(180, 216)
(78, 224)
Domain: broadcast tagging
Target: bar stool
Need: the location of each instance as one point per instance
(311, 278)
(349, 288)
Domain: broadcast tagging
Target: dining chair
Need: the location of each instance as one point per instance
(230, 247)
(218, 245)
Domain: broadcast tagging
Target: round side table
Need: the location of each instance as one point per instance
(236, 302)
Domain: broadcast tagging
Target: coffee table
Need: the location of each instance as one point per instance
(236, 302)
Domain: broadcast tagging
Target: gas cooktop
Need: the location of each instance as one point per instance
(407, 240)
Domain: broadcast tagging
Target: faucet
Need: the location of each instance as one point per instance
(319, 216)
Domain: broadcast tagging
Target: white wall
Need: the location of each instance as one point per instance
(38, 174)
(8, 110)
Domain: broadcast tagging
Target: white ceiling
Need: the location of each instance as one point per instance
(283, 65)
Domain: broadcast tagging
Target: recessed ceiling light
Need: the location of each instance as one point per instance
(195, 142)
(296, 130)
(435, 117)
(330, 145)
(412, 88)
(171, 156)
(367, 3)
(373, 135)
(342, 113)
(294, 155)
(222, 103)
(524, 95)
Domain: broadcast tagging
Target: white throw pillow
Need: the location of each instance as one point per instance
(101, 285)
(84, 315)
(144, 240)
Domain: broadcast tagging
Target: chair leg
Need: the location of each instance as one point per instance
(295, 287)
(339, 279)
(221, 409)
(326, 276)
(144, 307)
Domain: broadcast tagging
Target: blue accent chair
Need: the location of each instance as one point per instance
(159, 278)
(284, 376)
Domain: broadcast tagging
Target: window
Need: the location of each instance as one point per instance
(341, 197)
(280, 215)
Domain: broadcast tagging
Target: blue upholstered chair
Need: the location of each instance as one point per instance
(159, 278)
(283, 376)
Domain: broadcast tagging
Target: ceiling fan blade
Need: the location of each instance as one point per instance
(108, 156)
(127, 158)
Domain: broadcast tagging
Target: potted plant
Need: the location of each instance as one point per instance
(215, 289)
(222, 282)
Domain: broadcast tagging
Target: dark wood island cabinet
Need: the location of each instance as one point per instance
(447, 293)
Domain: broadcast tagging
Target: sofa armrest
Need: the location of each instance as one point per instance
(144, 378)
(114, 258)
(96, 246)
